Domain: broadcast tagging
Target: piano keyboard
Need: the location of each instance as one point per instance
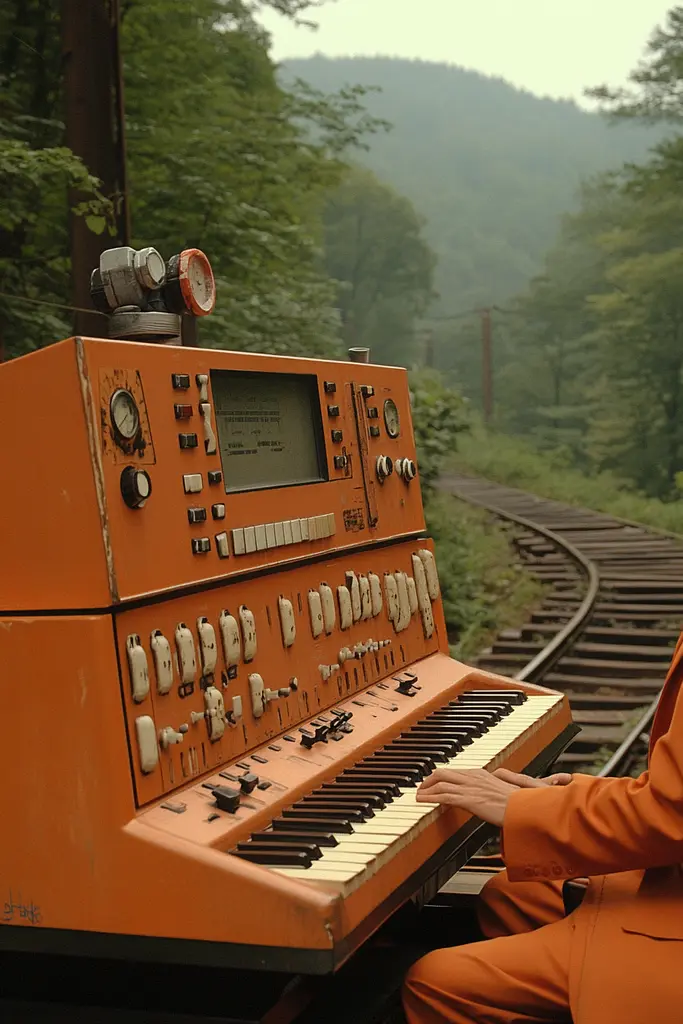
(346, 830)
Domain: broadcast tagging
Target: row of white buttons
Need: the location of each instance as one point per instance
(247, 539)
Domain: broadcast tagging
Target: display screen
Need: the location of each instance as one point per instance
(269, 429)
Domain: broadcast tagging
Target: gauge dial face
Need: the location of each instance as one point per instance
(125, 417)
(197, 282)
(391, 418)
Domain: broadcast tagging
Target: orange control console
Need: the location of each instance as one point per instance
(224, 660)
(145, 468)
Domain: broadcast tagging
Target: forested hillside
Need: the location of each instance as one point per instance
(491, 168)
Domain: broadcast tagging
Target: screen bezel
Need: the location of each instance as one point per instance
(316, 415)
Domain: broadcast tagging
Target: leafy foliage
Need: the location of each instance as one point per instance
(440, 415)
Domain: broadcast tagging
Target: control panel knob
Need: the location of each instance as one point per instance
(309, 739)
(406, 469)
(248, 782)
(384, 467)
(136, 486)
(227, 799)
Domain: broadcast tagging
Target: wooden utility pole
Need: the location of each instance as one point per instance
(94, 109)
(487, 364)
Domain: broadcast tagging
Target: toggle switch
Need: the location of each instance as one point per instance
(248, 782)
(169, 736)
(209, 436)
(226, 799)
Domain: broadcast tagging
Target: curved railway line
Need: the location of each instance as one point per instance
(609, 617)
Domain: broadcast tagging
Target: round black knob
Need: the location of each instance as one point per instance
(136, 486)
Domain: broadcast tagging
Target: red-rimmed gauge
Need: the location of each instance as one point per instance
(190, 283)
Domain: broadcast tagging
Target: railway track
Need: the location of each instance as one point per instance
(604, 632)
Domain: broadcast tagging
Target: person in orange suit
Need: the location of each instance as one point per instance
(618, 958)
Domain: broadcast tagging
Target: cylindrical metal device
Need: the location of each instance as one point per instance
(359, 355)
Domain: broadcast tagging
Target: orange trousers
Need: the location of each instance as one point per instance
(540, 966)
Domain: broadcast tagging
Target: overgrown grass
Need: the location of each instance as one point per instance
(484, 589)
(513, 461)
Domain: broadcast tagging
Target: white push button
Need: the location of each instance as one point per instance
(238, 545)
(250, 539)
(354, 591)
(412, 594)
(261, 543)
(279, 534)
(427, 559)
(209, 436)
(345, 610)
(207, 645)
(248, 624)
(214, 709)
(315, 609)
(365, 599)
(329, 613)
(222, 545)
(391, 593)
(148, 748)
(423, 600)
(203, 385)
(287, 621)
(375, 593)
(137, 664)
(163, 661)
(256, 689)
(230, 634)
(186, 653)
(270, 535)
(192, 483)
(403, 620)
(236, 708)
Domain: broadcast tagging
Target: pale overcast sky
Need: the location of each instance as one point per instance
(550, 47)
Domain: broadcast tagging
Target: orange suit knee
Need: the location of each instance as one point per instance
(511, 908)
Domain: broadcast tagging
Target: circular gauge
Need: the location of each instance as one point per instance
(125, 417)
(190, 283)
(391, 418)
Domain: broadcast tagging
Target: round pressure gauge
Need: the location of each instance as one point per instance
(190, 283)
(125, 417)
(391, 418)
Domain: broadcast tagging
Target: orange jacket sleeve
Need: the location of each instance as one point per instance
(601, 826)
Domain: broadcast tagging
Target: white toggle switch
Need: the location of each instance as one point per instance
(315, 609)
(269, 695)
(354, 590)
(423, 600)
(327, 602)
(345, 654)
(256, 689)
(427, 559)
(209, 436)
(168, 736)
(230, 634)
(236, 712)
(327, 670)
(365, 599)
(248, 624)
(203, 385)
(137, 663)
(403, 620)
(345, 610)
(163, 661)
(148, 748)
(214, 712)
(391, 593)
(375, 593)
(287, 622)
(186, 655)
(412, 594)
(207, 645)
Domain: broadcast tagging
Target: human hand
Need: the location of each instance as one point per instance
(527, 782)
(474, 790)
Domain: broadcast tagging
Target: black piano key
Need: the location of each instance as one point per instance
(477, 706)
(439, 751)
(441, 732)
(366, 793)
(380, 775)
(317, 838)
(306, 824)
(395, 760)
(494, 696)
(358, 802)
(301, 811)
(403, 769)
(331, 805)
(388, 790)
(423, 761)
(278, 858)
(286, 845)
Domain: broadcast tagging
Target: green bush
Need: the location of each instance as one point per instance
(515, 462)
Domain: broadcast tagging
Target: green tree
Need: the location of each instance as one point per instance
(375, 249)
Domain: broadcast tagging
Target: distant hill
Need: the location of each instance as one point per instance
(490, 167)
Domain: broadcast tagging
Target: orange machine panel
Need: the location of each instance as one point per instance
(154, 467)
(267, 654)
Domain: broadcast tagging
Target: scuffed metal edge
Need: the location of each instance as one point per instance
(96, 461)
